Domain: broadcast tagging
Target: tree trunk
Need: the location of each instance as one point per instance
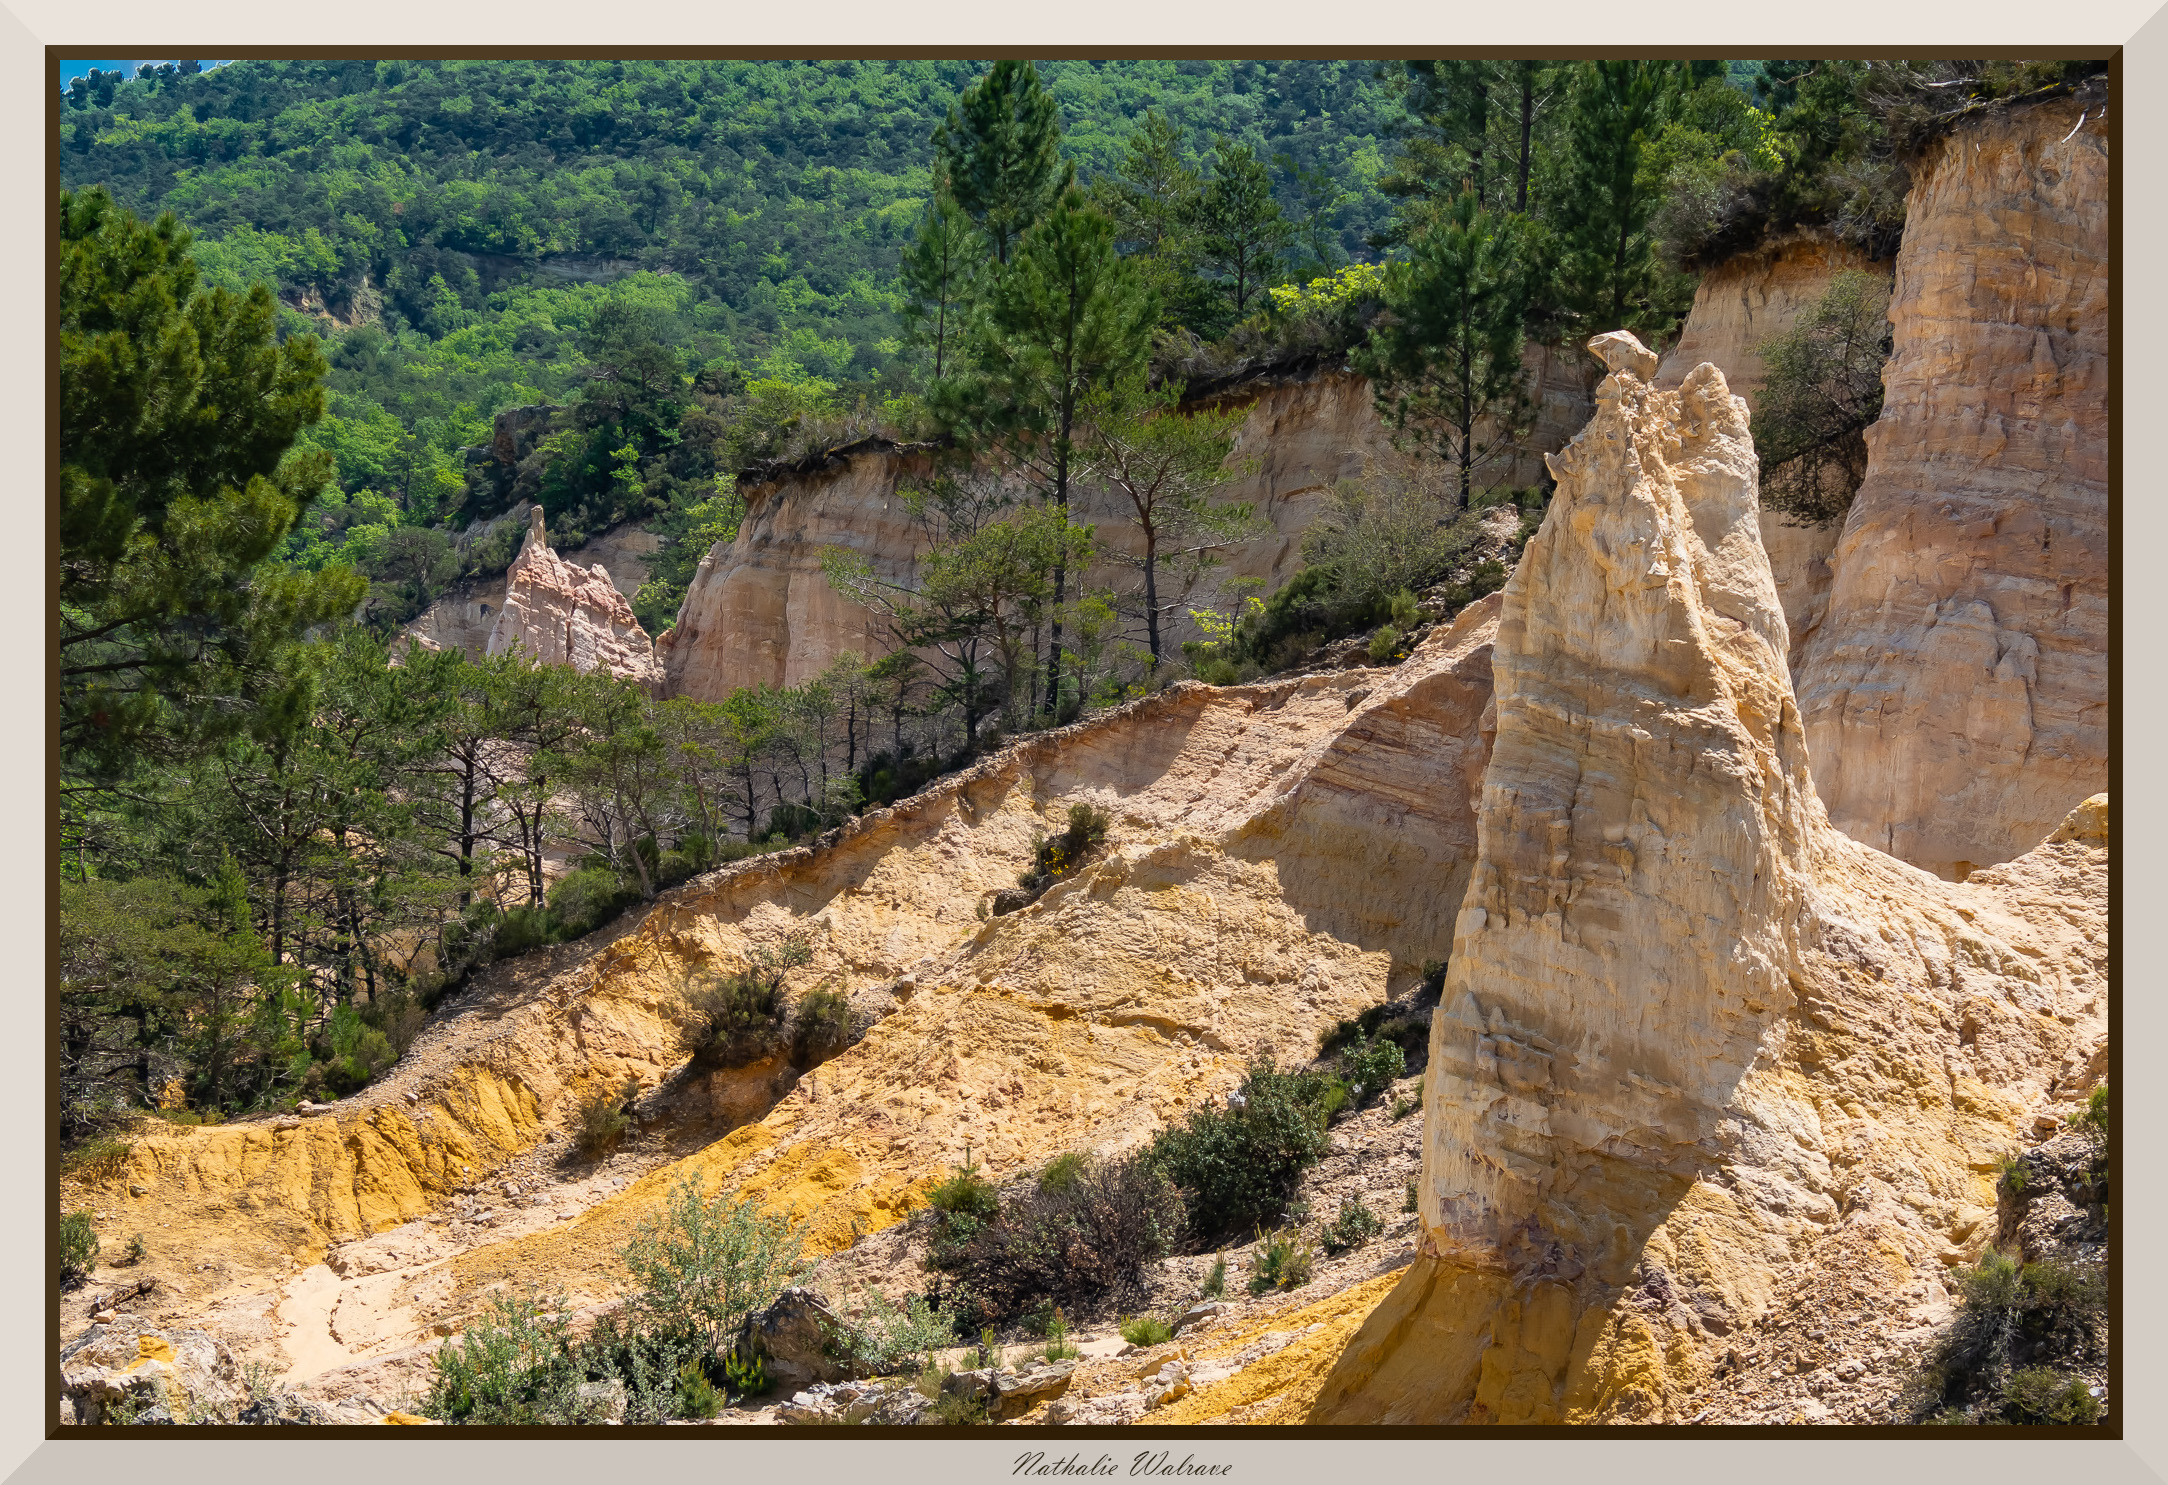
(1528, 108)
(1151, 590)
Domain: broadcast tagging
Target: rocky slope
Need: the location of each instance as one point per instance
(1694, 1039)
(1739, 306)
(557, 614)
(1955, 698)
(1282, 856)
(759, 610)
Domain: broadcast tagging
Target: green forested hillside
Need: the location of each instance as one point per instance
(451, 229)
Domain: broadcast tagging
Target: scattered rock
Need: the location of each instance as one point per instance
(134, 1360)
(1198, 1314)
(795, 1334)
(603, 1401)
(1168, 1383)
(284, 1410)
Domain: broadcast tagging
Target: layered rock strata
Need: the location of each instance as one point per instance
(759, 611)
(1693, 1037)
(1956, 696)
(1739, 306)
(557, 614)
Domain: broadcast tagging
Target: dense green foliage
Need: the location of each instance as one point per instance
(1238, 1166)
(1823, 390)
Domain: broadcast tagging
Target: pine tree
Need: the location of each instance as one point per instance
(179, 407)
(940, 276)
(999, 153)
(1070, 316)
(1240, 226)
(1611, 275)
(1446, 363)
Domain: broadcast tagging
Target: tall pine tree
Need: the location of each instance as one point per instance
(1068, 317)
(1610, 273)
(999, 151)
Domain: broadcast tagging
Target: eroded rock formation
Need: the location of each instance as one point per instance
(557, 614)
(1738, 307)
(1692, 1034)
(1956, 696)
(463, 618)
(759, 610)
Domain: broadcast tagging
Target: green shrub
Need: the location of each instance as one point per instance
(957, 1409)
(2041, 1396)
(1057, 1338)
(824, 1026)
(2008, 1319)
(1239, 1166)
(2095, 1116)
(888, 1337)
(1282, 1261)
(1383, 642)
(1333, 1097)
(1057, 856)
(1370, 1067)
(703, 1265)
(135, 1252)
(966, 1193)
(1089, 1236)
(696, 1394)
(644, 1361)
(584, 900)
(2010, 1174)
(78, 1248)
(512, 1365)
(1062, 1172)
(739, 1018)
(1355, 1225)
(1146, 1330)
(1215, 1282)
(1411, 1202)
(1403, 610)
(602, 1120)
(746, 1375)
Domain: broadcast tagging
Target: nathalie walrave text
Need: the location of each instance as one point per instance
(1145, 1464)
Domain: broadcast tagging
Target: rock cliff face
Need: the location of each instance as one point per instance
(558, 614)
(1740, 305)
(759, 611)
(1956, 695)
(1693, 1036)
(463, 618)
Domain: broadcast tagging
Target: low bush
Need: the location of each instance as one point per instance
(2094, 1118)
(1355, 1225)
(2011, 1174)
(1146, 1330)
(584, 900)
(2040, 1395)
(512, 1365)
(1057, 1339)
(1215, 1281)
(645, 1362)
(78, 1248)
(887, 1337)
(1384, 642)
(1283, 1260)
(696, 1394)
(702, 1265)
(823, 1026)
(1411, 1202)
(739, 1018)
(746, 1375)
(603, 1121)
(1090, 1234)
(1370, 1068)
(1054, 857)
(1239, 1166)
(1062, 1172)
(2008, 1319)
